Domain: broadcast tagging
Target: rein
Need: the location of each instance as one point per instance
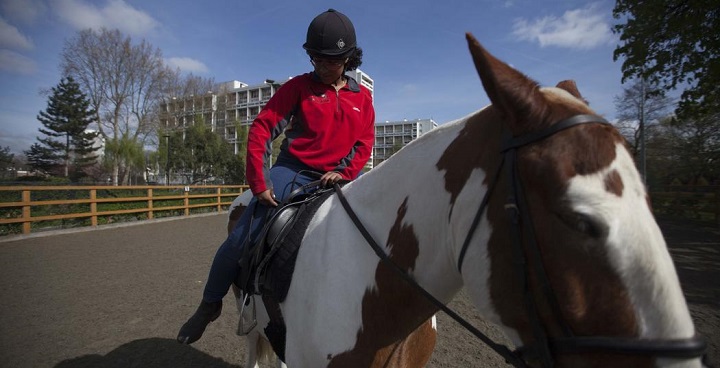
(519, 216)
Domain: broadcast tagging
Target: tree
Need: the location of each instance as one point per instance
(125, 82)
(66, 145)
(640, 107)
(696, 145)
(6, 162)
(235, 173)
(126, 155)
(199, 154)
(675, 44)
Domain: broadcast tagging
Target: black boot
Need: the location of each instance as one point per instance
(193, 329)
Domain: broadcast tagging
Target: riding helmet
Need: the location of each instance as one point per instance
(331, 34)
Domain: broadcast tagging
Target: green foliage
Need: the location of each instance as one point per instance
(199, 154)
(6, 161)
(125, 153)
(43, 159)
(65, 148)
(674, 43)
(684, 152)
(235, 173)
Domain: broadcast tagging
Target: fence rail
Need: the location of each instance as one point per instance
(698, 202)
(24, 209)
(27, 209)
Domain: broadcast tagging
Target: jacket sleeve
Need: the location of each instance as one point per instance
(268, 125)
(351, 165)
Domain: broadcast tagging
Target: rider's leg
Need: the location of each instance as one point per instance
(222, 273)
(224, 269)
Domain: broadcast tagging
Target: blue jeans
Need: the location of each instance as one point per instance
(285, 178)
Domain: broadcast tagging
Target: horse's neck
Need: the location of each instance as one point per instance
(405, 202)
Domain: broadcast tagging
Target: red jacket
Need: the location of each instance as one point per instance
(326, 130)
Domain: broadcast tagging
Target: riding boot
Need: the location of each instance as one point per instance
(193, 329)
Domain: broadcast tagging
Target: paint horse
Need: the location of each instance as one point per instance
(412, 351)
(533, 205)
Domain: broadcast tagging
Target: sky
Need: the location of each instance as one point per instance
(415, 50)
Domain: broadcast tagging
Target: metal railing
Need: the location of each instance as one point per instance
(34, 208)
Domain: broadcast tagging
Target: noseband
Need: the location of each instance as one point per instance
(544, 347)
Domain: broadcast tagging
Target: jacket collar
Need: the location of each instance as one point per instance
(352, 84)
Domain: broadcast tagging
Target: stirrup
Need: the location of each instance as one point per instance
(248, 318)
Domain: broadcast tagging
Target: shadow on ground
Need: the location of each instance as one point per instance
(153, 352)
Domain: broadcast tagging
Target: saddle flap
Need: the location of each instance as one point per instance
(280, 223)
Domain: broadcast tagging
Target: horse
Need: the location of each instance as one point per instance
(533, 205)
(412, 351)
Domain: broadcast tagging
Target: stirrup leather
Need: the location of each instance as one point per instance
(248, 317)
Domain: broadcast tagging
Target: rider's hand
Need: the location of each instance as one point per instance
(330, 178)
(267, 198)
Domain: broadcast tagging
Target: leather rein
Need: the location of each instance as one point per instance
(544, 347)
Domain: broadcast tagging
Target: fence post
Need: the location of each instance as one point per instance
(26, 214)
(187, 201)
(93, 207)
(219, 198)
(150, 204)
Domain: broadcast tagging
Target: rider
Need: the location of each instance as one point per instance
(330, 129)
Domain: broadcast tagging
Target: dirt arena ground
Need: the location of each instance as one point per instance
(115, 297)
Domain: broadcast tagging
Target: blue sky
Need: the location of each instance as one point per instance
(414, 50)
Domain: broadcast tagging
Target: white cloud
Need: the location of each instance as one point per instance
(584, 28)
(13, 62)
(10, 37)
(187, 64)
(115, 14)
(26, 11)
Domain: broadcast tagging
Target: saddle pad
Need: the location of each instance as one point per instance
(282, 266)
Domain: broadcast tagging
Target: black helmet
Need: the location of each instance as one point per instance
(330, 33)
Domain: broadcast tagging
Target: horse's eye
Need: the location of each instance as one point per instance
(585, 224)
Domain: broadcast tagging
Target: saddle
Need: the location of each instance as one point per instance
(266, 267)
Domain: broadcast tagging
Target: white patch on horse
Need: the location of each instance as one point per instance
(553, 93)
(355, 273)
(636, 247)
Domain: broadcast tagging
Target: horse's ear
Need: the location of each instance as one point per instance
(511, 92)
(570, 86)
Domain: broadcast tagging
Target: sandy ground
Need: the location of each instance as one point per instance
(115, 297)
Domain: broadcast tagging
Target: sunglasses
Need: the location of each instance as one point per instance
(335, 63)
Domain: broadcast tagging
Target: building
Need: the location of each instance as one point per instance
(390, 136)
(232, 105)
(98, 144)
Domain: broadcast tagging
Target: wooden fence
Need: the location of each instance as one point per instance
(698, 202)
(33, 208)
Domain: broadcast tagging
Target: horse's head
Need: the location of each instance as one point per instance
(595, 261)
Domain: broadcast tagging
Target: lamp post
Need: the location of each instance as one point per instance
(167, 160)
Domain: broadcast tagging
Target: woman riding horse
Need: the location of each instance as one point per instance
(328, 120)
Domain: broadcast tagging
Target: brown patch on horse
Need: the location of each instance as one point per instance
(571, 87)
(614, 183)
(592, 297)
(393, 310)
(481, 130)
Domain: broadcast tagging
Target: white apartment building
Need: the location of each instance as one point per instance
(390, 136)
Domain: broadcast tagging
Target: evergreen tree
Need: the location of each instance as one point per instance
(66, 148)
(6, 162)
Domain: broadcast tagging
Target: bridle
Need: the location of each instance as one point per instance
(544, 348)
